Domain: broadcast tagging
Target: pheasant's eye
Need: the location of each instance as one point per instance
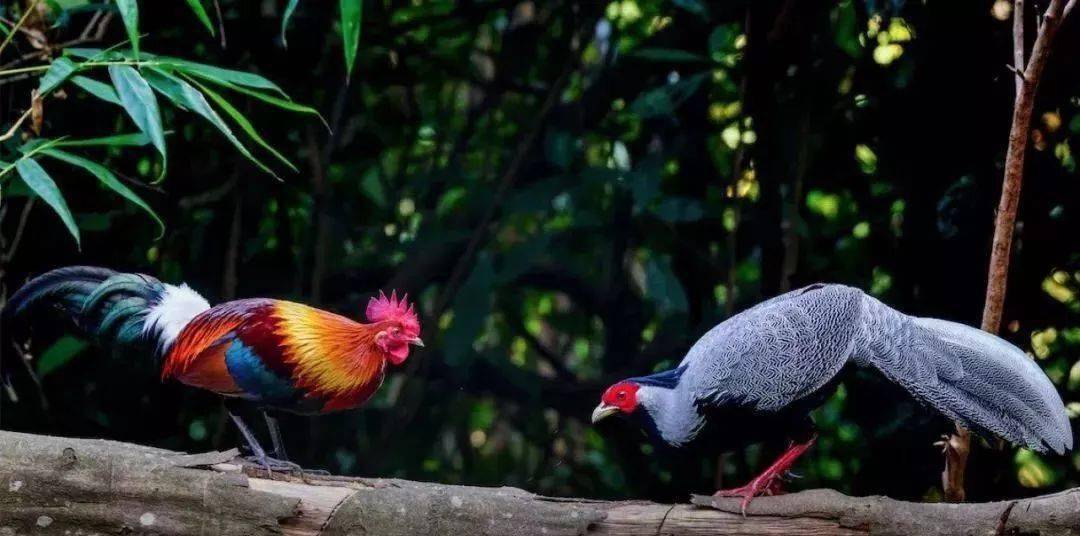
(621, 395)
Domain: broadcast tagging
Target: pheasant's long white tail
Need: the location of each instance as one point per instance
(974, 377)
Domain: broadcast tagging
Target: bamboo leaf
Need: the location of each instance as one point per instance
(107, 178)
(289, 8)
(351, 13)
(100, 90)
(129, 11)
(200, 12)
(185, 96)
(245, 124)
(42, 184)
(284, 104)
(137, 139)
(219, 75)
(59, 71)
(138, 100)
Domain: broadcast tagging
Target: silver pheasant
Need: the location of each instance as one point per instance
(778, 359)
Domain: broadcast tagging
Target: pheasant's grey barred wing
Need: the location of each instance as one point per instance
(777, 352)
(971, 376)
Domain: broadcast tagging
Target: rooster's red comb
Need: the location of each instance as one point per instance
(383, 308)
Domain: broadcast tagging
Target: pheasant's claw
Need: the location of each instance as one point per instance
(766, 484)
(791, 475)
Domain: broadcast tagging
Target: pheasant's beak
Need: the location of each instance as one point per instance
(603, 411)
(417, 342)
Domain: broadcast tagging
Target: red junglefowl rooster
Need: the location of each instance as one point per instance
(275, 354)
(758, 374)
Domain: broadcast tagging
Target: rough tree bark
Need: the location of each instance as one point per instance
(958, 445)
(51, 485)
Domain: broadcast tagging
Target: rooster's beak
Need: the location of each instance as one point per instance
(417, 342)
(603, 411)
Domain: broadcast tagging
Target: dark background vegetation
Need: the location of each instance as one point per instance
(573, 192)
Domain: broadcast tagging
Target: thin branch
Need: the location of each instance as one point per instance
(15, 127)
(1018, 43)
(89, 35)
(42, 399)
(29, 9)
(221, 22)
(23, 217)
(958, 446)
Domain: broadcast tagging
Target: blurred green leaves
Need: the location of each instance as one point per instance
(351, 12)
(662, 101)
(59, 354)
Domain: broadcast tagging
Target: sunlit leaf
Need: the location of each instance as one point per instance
(100, 90)
(200, 12)
(45, 187)
(59, 354)
(289, 9)
(138, 100)
(129, 11)
(59, 71)
(351, 12)
(108, 179)
(185, 96)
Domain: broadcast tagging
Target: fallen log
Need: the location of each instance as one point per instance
(54, 485)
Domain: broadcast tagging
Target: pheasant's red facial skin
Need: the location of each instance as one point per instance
(622, 395)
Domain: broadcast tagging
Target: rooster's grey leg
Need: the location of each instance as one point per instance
(275, 436)
(258, 454)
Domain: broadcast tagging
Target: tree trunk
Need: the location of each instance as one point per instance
(52, 485)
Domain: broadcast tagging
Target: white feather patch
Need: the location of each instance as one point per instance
(178, 305)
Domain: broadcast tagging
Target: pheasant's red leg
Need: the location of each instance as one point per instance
(768, 482)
